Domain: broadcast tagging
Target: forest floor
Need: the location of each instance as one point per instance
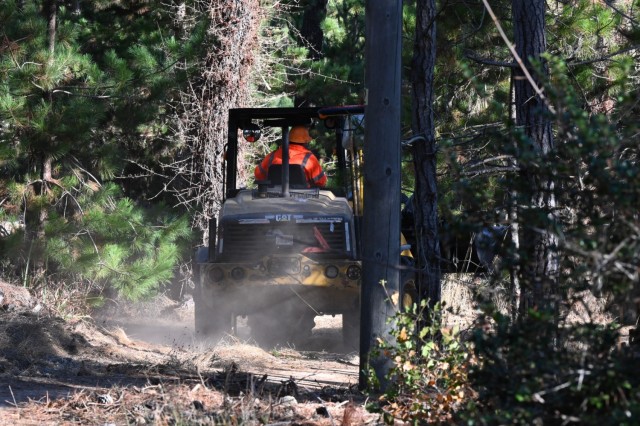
(140, 364)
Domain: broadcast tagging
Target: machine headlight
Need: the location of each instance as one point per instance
(216, 274)
(331, 271)
(306, 270)
(237, 273)
(354, 272)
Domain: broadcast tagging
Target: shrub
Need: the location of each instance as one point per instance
(428, 380)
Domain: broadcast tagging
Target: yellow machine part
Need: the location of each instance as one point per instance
(403, 242)
(306, 274)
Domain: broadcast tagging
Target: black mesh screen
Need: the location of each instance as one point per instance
(252, 241)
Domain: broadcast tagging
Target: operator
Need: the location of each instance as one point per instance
(298, 154)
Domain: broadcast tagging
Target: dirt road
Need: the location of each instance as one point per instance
(148, 368)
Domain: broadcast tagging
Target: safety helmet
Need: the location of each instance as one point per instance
(299, 134)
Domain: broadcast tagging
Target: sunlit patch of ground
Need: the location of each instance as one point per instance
(148, 368)
(142, 364)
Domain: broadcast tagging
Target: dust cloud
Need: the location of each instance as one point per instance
(166, 322)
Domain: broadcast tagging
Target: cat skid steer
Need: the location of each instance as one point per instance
(281, 254)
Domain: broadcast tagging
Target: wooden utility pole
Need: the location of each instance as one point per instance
(381, 221)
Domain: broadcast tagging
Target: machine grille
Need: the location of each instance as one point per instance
(241, 241)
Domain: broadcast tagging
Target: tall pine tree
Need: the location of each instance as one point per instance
(77, 98)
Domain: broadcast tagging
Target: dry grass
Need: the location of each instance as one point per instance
(228, 381)
(463, 293)
(74, 372)
(457, 295)
(584, 307)
(191, 401)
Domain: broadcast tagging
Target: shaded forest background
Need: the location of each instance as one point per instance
(112, 131)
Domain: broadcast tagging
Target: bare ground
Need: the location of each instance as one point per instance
(138, 364)
(141, 364)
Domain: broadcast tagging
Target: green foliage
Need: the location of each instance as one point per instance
(533, 373)
(428, 379)
(548, 367)
(337, 77)
(76, 118)
(112, 243)
(601, 153)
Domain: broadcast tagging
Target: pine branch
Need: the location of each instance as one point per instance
(603, 58)
(490, 171)
(480, 163)
(621, 13)
(518, 59)
(485, 61)
(503, 64)
(66, 92)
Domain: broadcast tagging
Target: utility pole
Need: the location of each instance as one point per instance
(381, 221)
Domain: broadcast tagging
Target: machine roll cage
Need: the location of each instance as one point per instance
(239, 118)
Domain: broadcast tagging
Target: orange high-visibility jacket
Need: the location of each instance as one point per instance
(298, 154)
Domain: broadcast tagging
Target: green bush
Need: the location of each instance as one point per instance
(543, 365)
(547, 367)
(534, 373)
(428, 380)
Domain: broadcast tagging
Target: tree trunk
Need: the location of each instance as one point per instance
(539, 257)
(223, 84)
(425, 196)
(514, 270)
(313, 37)
(311, 30)
(51, 10)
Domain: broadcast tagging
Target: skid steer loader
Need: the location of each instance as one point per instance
(281, 253)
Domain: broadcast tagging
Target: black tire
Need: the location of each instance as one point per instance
(351, 329)
(210, 321)
(304, 327)
(272, 327)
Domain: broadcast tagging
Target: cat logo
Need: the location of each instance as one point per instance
(283, 217)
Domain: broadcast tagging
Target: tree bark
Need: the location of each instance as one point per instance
(223, 84)
(313, 37)
(51, 13)
(514, 270)
(311, 30)
(425, 196)
(539, 257)
(51, 10)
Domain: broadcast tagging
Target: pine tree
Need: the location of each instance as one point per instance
(539, 249)
(221, 78)
(423, 123)
(75, 96)
(332, 35)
